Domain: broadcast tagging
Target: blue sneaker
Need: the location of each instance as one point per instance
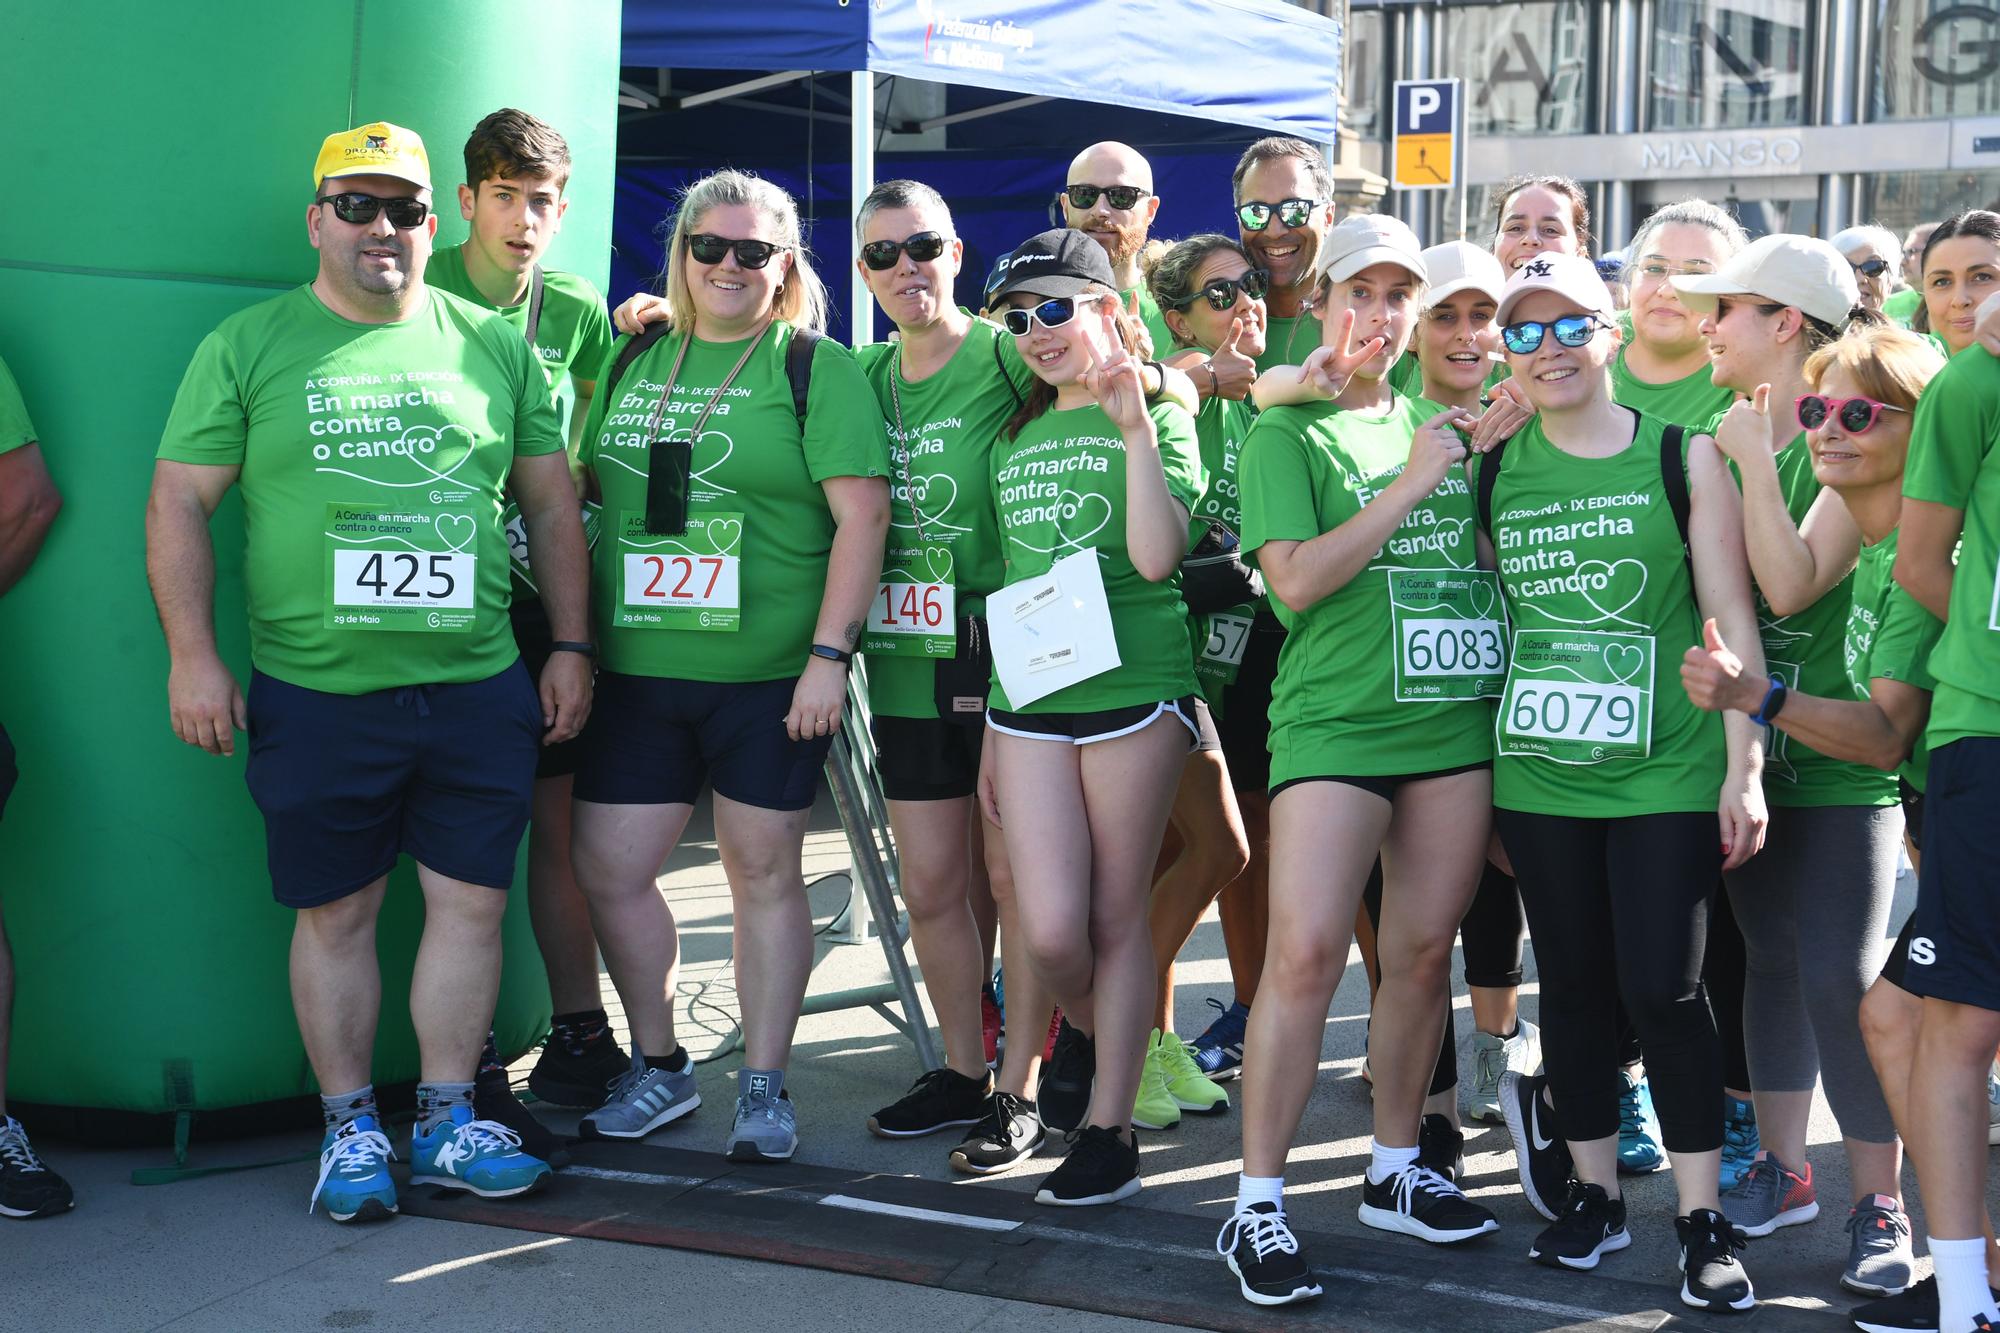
(1739, 1140)
(354, 1172)
(1638, 1132)
(1218, 1052)
(483, 1156)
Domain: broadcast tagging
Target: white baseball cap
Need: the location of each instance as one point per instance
(1365, 239)
(1458, 266)
(1801, 271)
(1571, 277)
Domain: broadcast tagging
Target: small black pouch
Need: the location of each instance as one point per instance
(669, 465)
(963, 679)
(1213, 575)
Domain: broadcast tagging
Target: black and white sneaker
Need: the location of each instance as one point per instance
(1102, 1167)
(27, 1187)
(941, 1099)
(1440, 1147)
(1064, 1092)
(1912, 1310)
(1712, 1277)
(1592, 1225)
(1008, 1136)
(1539, 1149)
(1419, 1202)
(1264, 1254)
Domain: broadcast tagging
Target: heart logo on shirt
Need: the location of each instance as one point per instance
(937, 559)
(1077, 509)
(456, 523)
(1450, 532)
(1624, 661)
(1482, 599)
(701, 474)
(931, 508)
(724, 533)
(1623, 583)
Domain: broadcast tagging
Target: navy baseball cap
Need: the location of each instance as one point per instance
(1053, 263)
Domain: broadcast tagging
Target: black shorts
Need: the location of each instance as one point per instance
(1383, 785)
(654, 740)
(1954, 947)
(1105, 725)
(8, 772)
(1246, 709)
(1913, 813)
(346, 782)
(533, 636)
(927, 758)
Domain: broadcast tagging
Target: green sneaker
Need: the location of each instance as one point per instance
(1192, 1090)
(1156, 1107)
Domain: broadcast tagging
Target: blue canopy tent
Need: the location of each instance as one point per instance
(1259, 65)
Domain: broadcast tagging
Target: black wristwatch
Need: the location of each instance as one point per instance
(832, 654)
(572, 646)
(1774, 700)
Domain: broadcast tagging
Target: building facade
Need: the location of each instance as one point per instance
(1803, 115)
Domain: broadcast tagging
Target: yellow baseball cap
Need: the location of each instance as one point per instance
(380, 149)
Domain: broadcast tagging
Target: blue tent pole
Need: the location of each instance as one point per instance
(861, 179)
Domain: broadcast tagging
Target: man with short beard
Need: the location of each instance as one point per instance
(375, 427)
(1284, 205)
(1109, 198)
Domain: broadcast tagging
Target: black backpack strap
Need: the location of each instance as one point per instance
(631, 348)
(1489, 472)
(799, 367)
(1674, 478)
(534, 307)
(1000, 361)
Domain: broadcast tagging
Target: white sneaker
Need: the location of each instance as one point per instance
(1493, 1056)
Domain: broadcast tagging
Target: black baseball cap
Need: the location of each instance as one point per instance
(1053, 263)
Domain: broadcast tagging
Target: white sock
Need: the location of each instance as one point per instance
(1961, 1281)
(1260, 1189)
(1385, 1162)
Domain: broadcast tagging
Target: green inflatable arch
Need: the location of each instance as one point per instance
(166, 187)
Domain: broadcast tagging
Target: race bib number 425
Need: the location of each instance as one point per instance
(393, 569)
(1578, 696)
(688, 581)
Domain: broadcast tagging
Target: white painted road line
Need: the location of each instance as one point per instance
(919, 1214)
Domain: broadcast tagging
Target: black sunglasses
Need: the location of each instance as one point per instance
(1256, 215)
(1872, 268)
(710, 249)
(924, 246)
(1220, 293)
(1050, 314)
(362, 209)
(1570, 331)
(1121, 196)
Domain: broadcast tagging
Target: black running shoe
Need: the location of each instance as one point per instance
(1419, 1202)
(27, 1187)
(1712, 1277)
(1591, 1225)
(577, 1075)
(1539, 1148)
(493, 1099)
(1440, 1147)
(1264, 1255)
(1006, 1137)
(1913, 1310)
(1102, 1167)
(941, 1099)
(1064, 1094)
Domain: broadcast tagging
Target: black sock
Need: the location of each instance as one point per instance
(489, 1057)
(672, 1063)
(579, 1031)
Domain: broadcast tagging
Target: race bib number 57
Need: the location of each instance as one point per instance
(1578, 696)
(400, 570)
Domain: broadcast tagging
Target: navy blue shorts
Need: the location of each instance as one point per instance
(1953, 951)
(533, 637)
(347, 782)
(657, 741)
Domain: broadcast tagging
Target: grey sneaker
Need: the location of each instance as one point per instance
(766, 1128)
(1878, 1248)
(1770, 1195)
(1493, 1056)
(642, 1100)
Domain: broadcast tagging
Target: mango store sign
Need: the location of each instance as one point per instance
(1720, 155)
(1925, 145)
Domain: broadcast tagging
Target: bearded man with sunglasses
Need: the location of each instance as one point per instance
(1109, 198)
(374, 427)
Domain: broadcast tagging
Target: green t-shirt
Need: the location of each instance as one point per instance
(941, 456)
(374, 459)
(1808, 649)
(1347, 699)
(737, 595)
(1220, 430)
(1059, 488)
(1890, 636)
(1595, 722)
(1902, 306)
(1288, 340)
(1691, 401)
(1953, 462)
(1155, 322)
(15, 428)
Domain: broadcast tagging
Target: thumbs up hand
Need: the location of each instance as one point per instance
(1713, 676)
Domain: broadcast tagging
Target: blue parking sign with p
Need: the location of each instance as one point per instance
(1425, 154)
(1427, 108)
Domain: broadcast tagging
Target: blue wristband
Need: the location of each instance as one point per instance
(1774, 700)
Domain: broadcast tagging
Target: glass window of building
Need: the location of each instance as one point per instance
(1363, 46)
(1526, 67)
(1900, 200)
(1724, 64)
(1935, 58)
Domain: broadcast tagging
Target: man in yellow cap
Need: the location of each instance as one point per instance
(376, 428)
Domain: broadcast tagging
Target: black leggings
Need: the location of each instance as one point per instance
(1725, 972)
(1619, 909)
